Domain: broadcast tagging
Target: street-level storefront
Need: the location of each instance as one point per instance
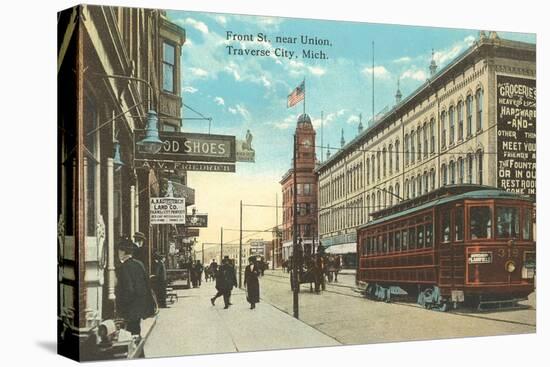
(344, 245)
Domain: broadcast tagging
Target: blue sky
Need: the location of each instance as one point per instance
(244, 92)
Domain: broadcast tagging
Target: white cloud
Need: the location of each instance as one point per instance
(219, 101)
(414, 74)
(221, 19)
(201, 73)
(403, 59)
(444, 56)
(198, 25)
(353, 119)
(189, 89)
(239, 110)
(265, 81)
(232, 69)
(379, 72)
(316, 70)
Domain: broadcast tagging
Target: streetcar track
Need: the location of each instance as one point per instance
(413, 305)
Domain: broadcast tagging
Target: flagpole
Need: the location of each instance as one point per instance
(321, 137)
(304, 95)
(373, 82)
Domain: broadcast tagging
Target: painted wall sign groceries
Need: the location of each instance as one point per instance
(167, 211)
(190, 147)
(516, 134)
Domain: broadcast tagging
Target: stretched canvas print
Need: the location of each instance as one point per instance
(234, 183)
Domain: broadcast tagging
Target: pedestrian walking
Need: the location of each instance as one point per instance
(251, 282)
(198, 273)
(134, 300)
(159, 280)
(225, 281)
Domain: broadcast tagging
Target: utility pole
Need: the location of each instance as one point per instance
(241, 248)
(221, 244)
(295, 239)
(276, 242)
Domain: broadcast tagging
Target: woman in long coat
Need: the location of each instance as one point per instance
(251, 282)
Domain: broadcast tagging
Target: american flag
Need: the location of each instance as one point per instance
(297, 95)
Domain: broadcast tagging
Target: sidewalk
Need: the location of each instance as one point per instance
(193, 326)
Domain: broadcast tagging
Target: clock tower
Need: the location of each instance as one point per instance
(306, 193)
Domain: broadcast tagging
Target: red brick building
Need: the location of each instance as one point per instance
(306, 190)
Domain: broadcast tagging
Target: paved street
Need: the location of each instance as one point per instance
(338, 315)
(194, 326)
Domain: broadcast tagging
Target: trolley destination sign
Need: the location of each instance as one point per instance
(516, 134)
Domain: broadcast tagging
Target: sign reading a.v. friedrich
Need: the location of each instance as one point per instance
(189, 147)
(516, 134)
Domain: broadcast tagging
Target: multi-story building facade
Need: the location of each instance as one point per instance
(117, 69)
(446, 132)
(306, 193)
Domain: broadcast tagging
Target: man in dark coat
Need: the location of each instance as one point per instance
(198, 268)
(159, 280)
(226, 279)
(251, 282)
(133, 293)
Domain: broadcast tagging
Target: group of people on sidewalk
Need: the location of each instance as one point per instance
(226, 279)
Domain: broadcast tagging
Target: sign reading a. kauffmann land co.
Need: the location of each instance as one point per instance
(516, 134)
(167, 211)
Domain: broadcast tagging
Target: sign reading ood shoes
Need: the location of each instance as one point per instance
(189, 147)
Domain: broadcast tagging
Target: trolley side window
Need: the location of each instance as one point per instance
(446, 226)
(480, 222)
(405, 239)
(459, 224)
(429, 230)
(398, 240)
(527, 224)
(420, 234)
(412, 237)
(507, 222)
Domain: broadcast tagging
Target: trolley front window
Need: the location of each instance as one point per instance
(507, 222)
(459, 224)
(480, 222)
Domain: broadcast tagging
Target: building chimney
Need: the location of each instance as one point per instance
(433, 65)
(360, 127)
(342, 141)
(398, 94)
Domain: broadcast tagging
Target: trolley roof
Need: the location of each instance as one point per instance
(441, 196)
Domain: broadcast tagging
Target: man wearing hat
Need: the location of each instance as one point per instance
(251, 282)
(133, 293)
(159, 280)
(225, 281)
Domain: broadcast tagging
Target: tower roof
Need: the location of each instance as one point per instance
(304, 119)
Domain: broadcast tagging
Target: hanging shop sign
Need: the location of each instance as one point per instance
(189, 147)
(184, 166)
(179, 190)
(167, 210)
(196, 220)
(516, 134)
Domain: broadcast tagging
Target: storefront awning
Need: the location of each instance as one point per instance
(344, 248)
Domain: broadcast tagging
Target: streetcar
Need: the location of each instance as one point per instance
(459, 245)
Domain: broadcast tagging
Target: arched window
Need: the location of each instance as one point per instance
(368, 171)
(378, 165)
(419, 185)
(479, 109)
(413, 136)
(460, 116)
(384, 161)
(397, 153)
(397, 191)
(425, 132)
(479, 159)
(443, 129)
(419, 143)
(452, 172)
(443, 174)
(406, 149)
(469, 112)
(407, 192)
(432, 179)
(451, 125)
(390, 156)
(368, 207)
(373, 164)
(413, 187)
(470, 162)
(390, 190)
(432, 135)
(425, 182)
(378, 200)
(460, 170)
